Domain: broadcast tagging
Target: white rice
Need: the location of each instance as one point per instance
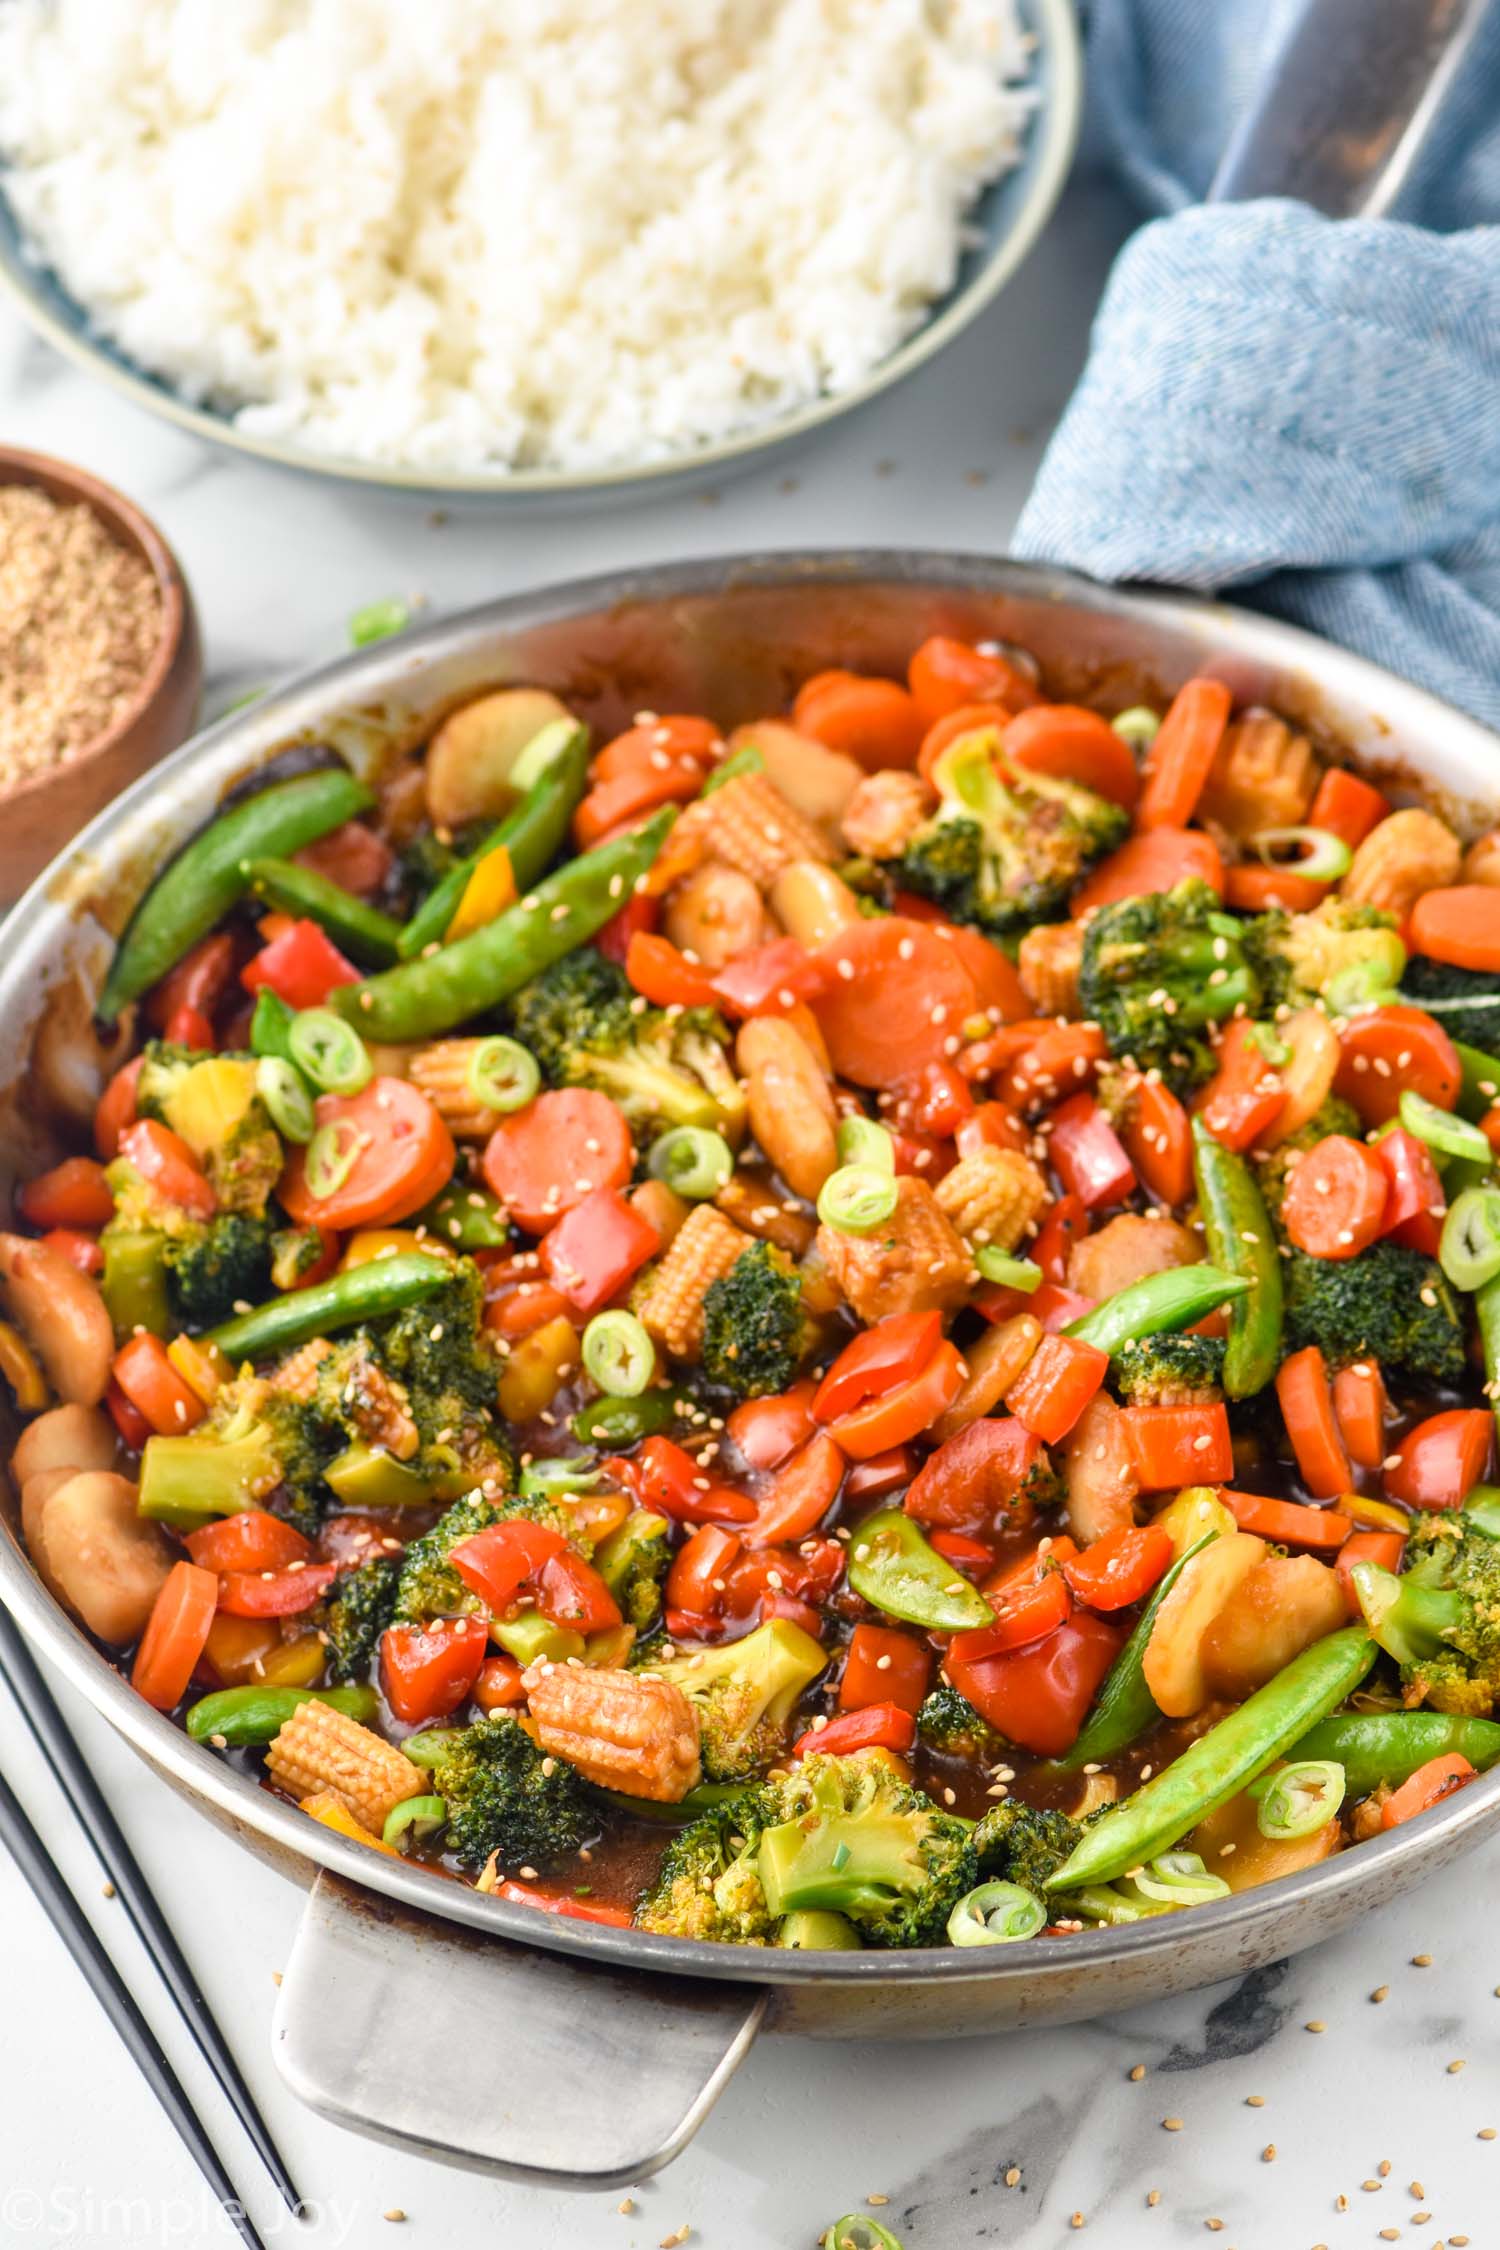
(460, 233)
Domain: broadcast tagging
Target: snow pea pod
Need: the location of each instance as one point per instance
(204, 880)
(1377, 1746)
(1161, 1304)
(532, 832)
(1241, 1240)
(258, 1714)
(367, 1292)
(419, 999)
(366, 934)
(892, 1567)
(1125, 1705)
(1220, 1763)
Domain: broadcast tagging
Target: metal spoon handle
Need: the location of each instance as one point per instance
(1347, 102)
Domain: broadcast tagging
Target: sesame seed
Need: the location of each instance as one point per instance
(1268, 2153)
(1255, 2101)
(625, 2206)
(1171, 2124)
(1418, 1960)
(1317, 2024)
(1013, 2175)
(1455, 2067)
(395, 2214)
(1136, 2073)
(1153, 2197)
(1381, 1992)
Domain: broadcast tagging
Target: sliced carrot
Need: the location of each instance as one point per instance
(1159, 1142)
(1055, 1386)
(1347, 807)
(1062, 1060)
(1287, 1521)
(1179, 760)
(1156, 860)
(1459, 925)
(74, 1193)
(175, 1635)
(1335, 1201)
(153, 1386)
(1389, 1049)
(1253, 889)
(1178, 1445)
(400, 1152)
(1076, 745)
(650, 740)
(969, 718)
(1427, 1787)
(945, 674)
(613, 804)
(897, 994)
(164, 1160)
(1360, 1407)
(800, 1495)
(1307, 1409)
(884, 1665)
(875, 721)
(1245, 1097)
(543, 1159)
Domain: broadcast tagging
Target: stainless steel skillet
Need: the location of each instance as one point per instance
(416, 2009)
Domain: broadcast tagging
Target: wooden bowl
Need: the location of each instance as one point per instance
(41, 813)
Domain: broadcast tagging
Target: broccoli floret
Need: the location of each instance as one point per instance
(1021, 1843)
(1158, 971)
(664, 1068)
(754, 1329)
(506, 1798)
(1390, 1304)
(1440, 1620)
(745, 1693)
(211, 1102)
(949, 1722)
(633, 1562)
(849, 1835)
(1170, 1370)
(215, 1266)
(429, 1586)
(294, 1253)
(1274, 1170)
(362, 1605)
(1344, 954)
(1006, 847)
(441, 1351)
(708, 1884)
(1466, 1002)
(251, 1416)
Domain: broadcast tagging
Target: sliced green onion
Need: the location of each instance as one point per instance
(748, 760)
(1322, 856)
(693, 1161)
(285, 1095)
(1011, 1273)
(996, 1914)
(1139, 726)
(429, 1748)
(859, 2233)
(856, 1198)
(503, 1075)
(534, 757)
(1469, 1252)
(539, 1479)
(329, 1051)
(377, 621)
(1178, 1879)
(862, 1141)
(332, 1154)
(1441, 1130)
(411, 1822)
(618, 1354)
(1299, 1799)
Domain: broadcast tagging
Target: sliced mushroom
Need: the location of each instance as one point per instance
(470, 757)
(817, 780)
(105, 1563)
(62, 1315)
(69, 1437)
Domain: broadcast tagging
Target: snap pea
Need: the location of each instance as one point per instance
(1377, 1746)
(1480, 1086)
(465, 1217)
(204, 880)
(257, 1714)
(1220, 1763)
(532, 832)
(1125, 1706)
(1487, 1320)
(364, 933)
(1241, 1240)
(421, 998)
(892, 1566)
(381, 1285)
(1159, 1305)
(620, 1421)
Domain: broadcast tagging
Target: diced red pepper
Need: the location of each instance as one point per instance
(905, 1412)
(1383, 1547)
(427, 1671)
(1066, 1222)
(769, 980)
(638, 913)
(880, 1473)
(670, 1482)
(275, 1593)
(199, 982)
(939, 1102)
(190, 1027)
(976, 1477)
(251, 1540)
(1038, 1697)
(497, 1562)
(1087, 1154)
(664, 975)
(1025, 1611)
(1178, 1445)
(883, 1666)
(569, 1591)
(497, 1684)
(566, 1903)
(880, 1726)
(74, 1193)
(301, 964)
(131, 1424)
(597, 1247)
(164, 1160)
(1056, 1385)
(700, 1569)
(956, 1547)
(1415, 1203)
(878, 1358)
(80, 1250)
(1120, 1568)
(768, 1431)
(116, 1109)
(1438, 1464)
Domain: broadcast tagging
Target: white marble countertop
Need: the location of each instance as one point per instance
(1293, 2087)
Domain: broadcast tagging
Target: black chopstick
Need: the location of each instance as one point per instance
(39, 1709)
(104, 1980)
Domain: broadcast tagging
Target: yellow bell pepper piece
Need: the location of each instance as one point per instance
(489, 891)
(327, 1806)
(201, 1365)
(21, 1369)
(294, 1663)
(369, 1243)
(1194, 1511)
(536, 1370)
(1374, 1515)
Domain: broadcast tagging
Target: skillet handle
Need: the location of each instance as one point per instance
(496, 2057)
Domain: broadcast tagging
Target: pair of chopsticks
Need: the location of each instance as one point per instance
(35, 1702)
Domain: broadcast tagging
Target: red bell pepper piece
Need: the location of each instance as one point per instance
(1178, 1445)
(427, 1671)
(1427, 1787)
(879, 1726)
(496, 1563)
(1025, 1611)
(884, 1666)
(905, 1412)
(975, 1477)
(569, 1591)
(967, 1554)
(1120, 1568)
(166, 1163)
(638, 913)
(879, 1358)
(80, 1250)
(699, 1576)
(199, 982)
(670, 1482)
(1066, 1222)
(275, 1593)
(597, 1247)
(190, 1027)
(1056, 1385)
(1438, 1464)
(131, 1424)
(664, 975)
(497, 1684)
(566, 1903)
(939, 1102)
(1088, 1156)
(252, 1540)
(1383, 1547)
(1415, 1204)
(768, 1431)
(74, 1193)
(881, 1473)
(800, 1494)
(1038, 1697)
(301, 964)
(769, 980)
(116, 1109)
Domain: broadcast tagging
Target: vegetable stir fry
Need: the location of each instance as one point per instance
(863, 1334)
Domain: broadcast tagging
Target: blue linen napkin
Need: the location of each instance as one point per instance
(1305, 411)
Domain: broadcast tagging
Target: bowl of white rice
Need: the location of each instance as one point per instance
(522, 248)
